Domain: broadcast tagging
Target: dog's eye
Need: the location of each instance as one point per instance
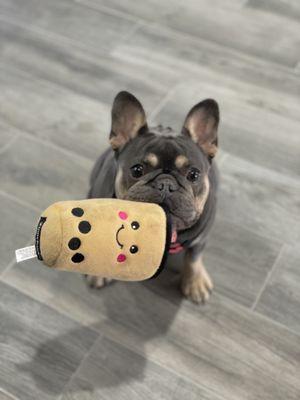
(193, 175)
(137, 170)
(133, 249)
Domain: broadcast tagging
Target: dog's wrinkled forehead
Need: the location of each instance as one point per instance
(166, 149)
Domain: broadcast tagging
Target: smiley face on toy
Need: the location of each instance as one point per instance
(133, 249)
(108, 237)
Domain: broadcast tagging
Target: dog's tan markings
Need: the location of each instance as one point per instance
(119, 188)
(181, 161)
(152, 159)
(202, 198)
(196, 284)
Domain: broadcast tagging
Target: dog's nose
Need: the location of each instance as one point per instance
(166, 186)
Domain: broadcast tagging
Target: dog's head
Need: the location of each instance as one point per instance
(161, 166)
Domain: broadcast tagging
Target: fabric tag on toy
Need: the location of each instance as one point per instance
(25, 253)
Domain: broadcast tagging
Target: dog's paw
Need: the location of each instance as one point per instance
(97, 282)
(197, 288)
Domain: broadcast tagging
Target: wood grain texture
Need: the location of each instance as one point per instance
(32, 171)
(16, 227)
(261, 34)
(214, 347)
(254, 125)
(6, 396)
(72, 22)
(198, 56)
(237, 353)
(280, 299)
(61, 64)
(115, 371)
(40, 349)
(65, 94)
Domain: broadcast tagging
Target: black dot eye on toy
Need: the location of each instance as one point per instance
(135, 225)
(133, 249)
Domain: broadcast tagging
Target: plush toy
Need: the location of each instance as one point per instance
(112, 238)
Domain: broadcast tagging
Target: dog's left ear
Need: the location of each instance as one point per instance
(128, 119)
(201, 124)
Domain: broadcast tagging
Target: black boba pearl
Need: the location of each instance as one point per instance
(135, 225)
(74, 243)
(84, 226)
(133, 249)
(77, 258)
(78, 212)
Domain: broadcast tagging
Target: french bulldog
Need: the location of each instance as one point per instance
(174, 169)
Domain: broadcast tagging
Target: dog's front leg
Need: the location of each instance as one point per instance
(97, 282)
(196, 284)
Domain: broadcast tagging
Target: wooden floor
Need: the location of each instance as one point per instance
(61, 64)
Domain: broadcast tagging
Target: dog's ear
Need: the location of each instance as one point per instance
(201, 124)
(128, 119)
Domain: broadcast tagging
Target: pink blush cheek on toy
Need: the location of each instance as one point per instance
(123, 215)
(121, 257)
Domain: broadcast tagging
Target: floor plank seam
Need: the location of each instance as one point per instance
(52, 36)
(269, 275)
(12, 262)
(10, 142)
(10, 395)
(254, 312)
(164, 99)
(108, 10)
(175, 33)
(192, 307)
(141, 22)
(19, 201)
(249, 230)
(172, 371)
(87, 354)
(32, 136)
(186, 377)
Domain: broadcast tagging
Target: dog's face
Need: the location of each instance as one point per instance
(161, 166)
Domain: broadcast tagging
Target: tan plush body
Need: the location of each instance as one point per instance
(107, 237)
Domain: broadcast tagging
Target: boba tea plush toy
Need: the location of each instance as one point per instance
(112, 238)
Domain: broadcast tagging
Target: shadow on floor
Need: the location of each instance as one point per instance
(139, 308)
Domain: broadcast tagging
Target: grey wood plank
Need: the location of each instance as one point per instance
(254, 124)
(229, 348)
(287, 8)
(81, 71)
(66, 19)
(280, 299)
(259, 332)
(221, 21)
(41, 174)
(16, 228)
(112, 371)
(40, 349)
(239, 260)
(7, 136)
(6, 396)
(66, 292)
(57, 114)
(192, 55)
(261, 200)
(53, 114)
(237, 353)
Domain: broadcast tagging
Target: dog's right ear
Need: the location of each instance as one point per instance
(128, 119)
